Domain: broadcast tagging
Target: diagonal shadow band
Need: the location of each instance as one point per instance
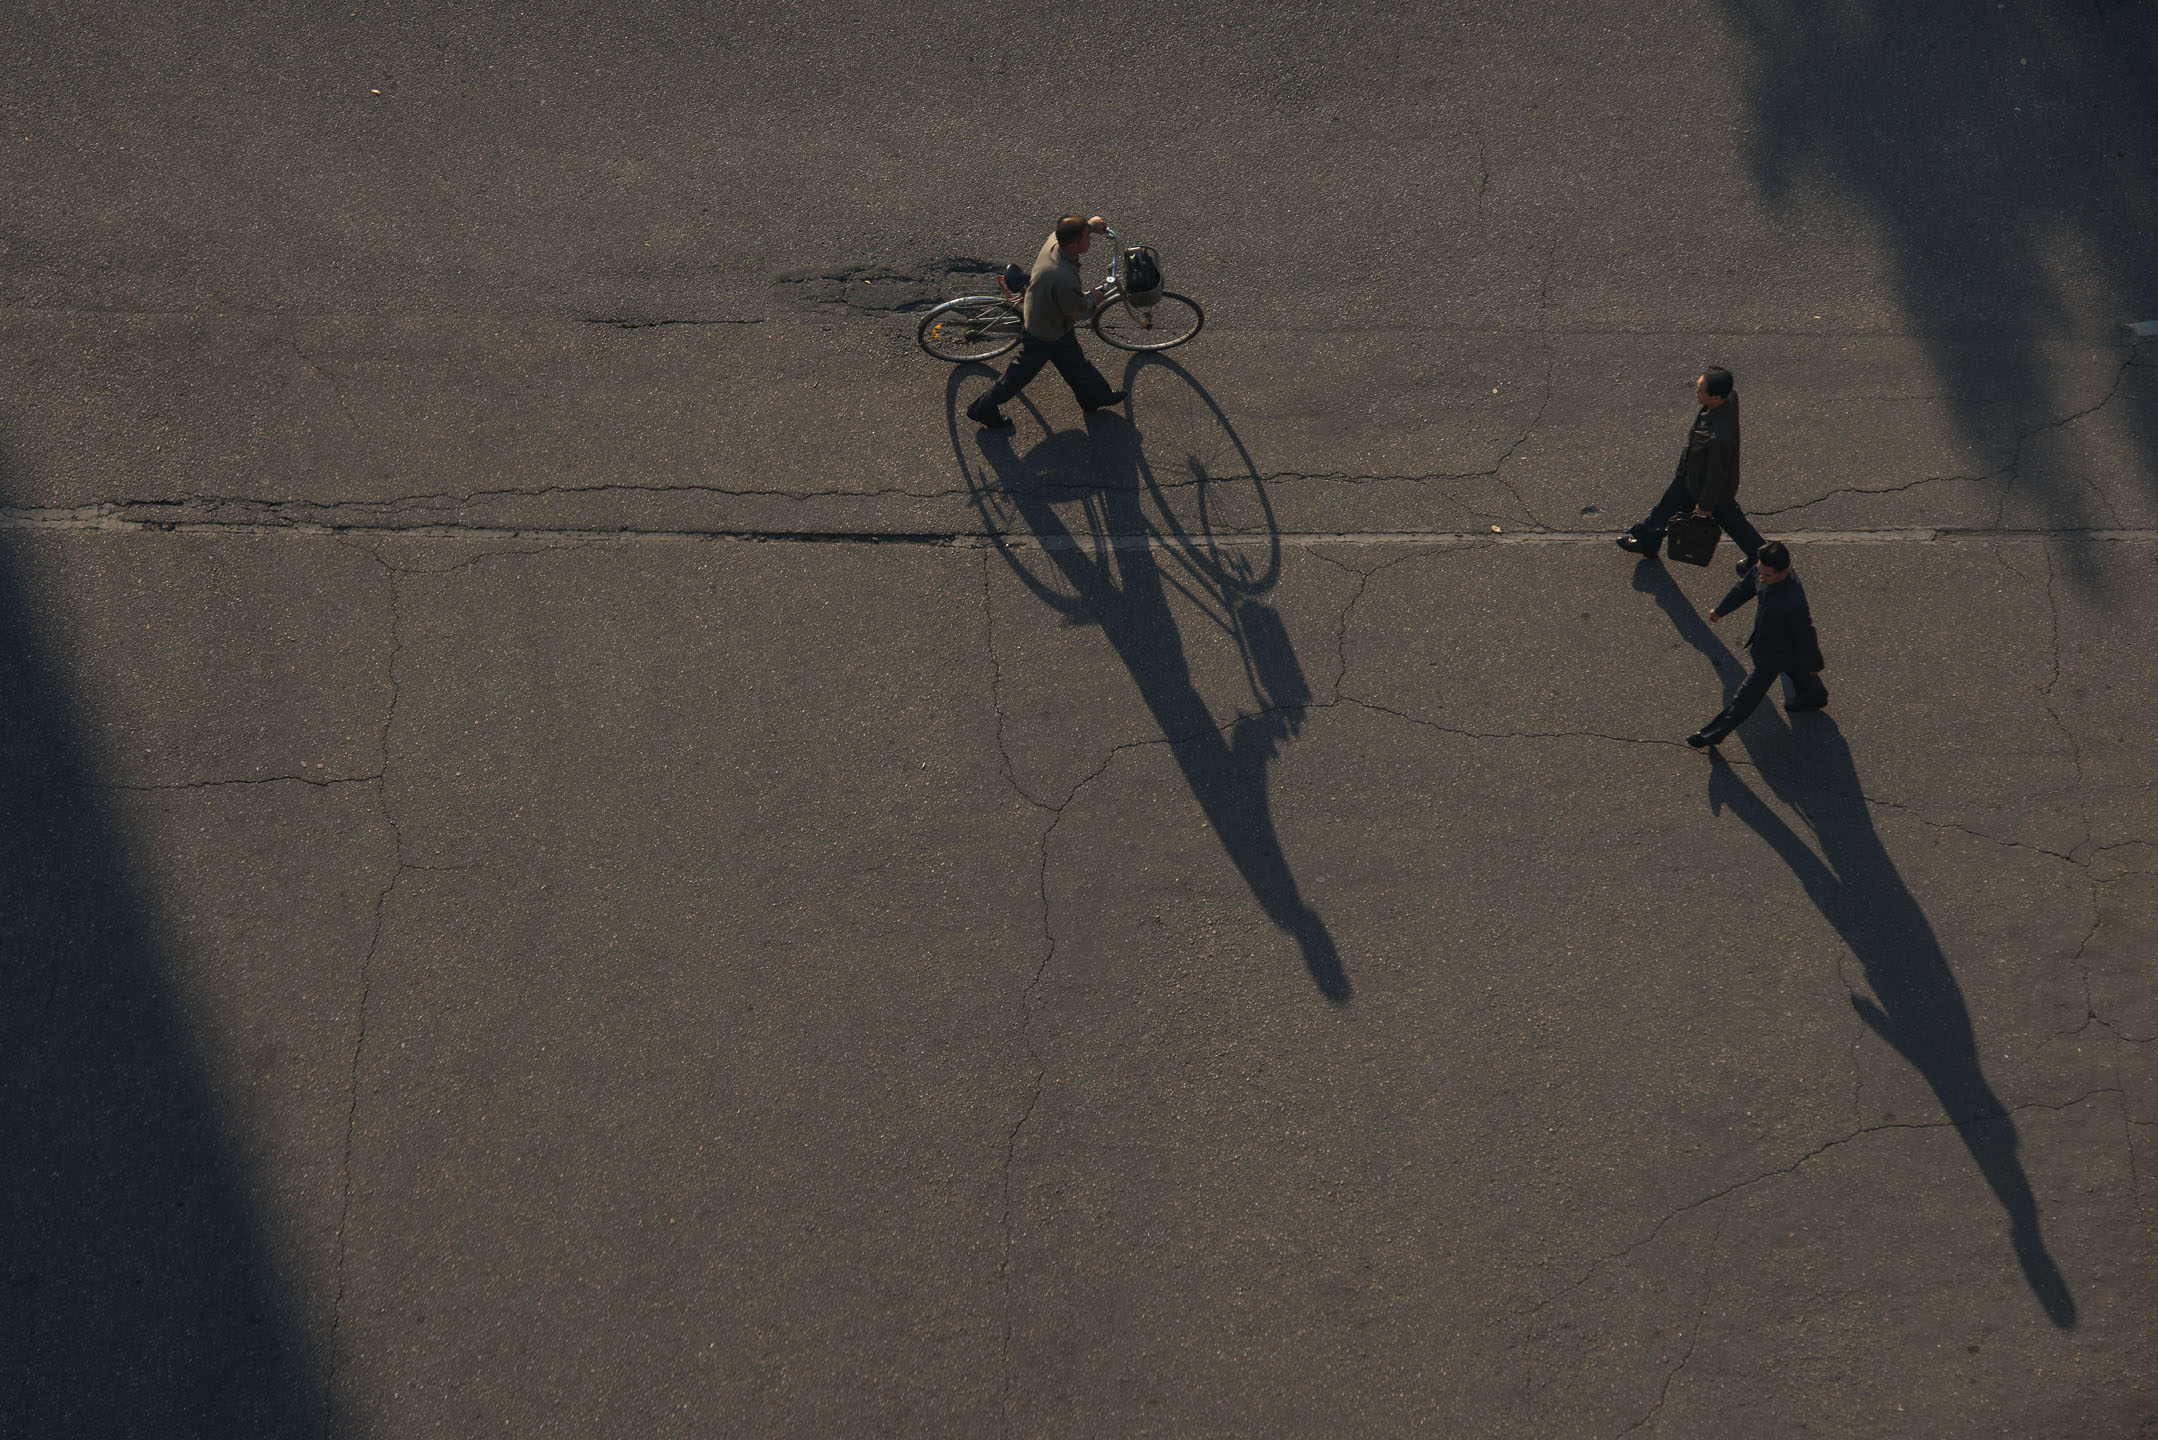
(1650, 578)
(1918, 1008)
(1115, 477)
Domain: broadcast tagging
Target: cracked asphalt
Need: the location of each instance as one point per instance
(585, 857)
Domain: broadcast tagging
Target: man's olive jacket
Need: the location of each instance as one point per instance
(1709, 465)
(1056, 300)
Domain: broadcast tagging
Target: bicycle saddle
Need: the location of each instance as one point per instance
(1014, 279)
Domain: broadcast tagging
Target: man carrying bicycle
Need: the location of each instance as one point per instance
(1055, 302)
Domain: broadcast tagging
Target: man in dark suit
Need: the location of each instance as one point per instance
(1783, 643)
(1707, 478)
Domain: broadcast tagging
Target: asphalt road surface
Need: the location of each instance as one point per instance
(583, 856)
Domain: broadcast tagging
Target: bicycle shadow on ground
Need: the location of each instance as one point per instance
(1916, 1006)
(1164, 501)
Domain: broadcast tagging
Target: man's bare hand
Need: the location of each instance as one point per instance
(1715, 615)
(1096, 224)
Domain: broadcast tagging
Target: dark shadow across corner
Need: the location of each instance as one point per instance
(1986, 145)
(138, 1295)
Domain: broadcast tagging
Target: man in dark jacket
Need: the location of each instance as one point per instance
(1707, 477)
(1054, 304)
(1783, 643)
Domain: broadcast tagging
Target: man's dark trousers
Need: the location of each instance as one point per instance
(1677, 501)
(1810, 694)
(1071, 362)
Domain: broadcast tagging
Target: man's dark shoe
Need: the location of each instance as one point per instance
(994, 420)
(1701, 739)
(1634, 545)
(1745, 568)
(1116, 397)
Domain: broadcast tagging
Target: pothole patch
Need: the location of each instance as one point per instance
(638, 321)
(885, 290)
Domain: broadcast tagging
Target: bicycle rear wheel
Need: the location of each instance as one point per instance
(1171, 320)
(980, 327)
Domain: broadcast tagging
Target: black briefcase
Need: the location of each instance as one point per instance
(1691, 540)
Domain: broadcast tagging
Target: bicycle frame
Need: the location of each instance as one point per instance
(989, 325)
(1112, 283)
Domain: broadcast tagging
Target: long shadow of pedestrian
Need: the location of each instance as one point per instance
(1917, 1006)
(1202, 530)
(138, 1291)
(1650, 578)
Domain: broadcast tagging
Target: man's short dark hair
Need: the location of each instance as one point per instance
(1775, 555)
(1715, 379)
(1070, 228)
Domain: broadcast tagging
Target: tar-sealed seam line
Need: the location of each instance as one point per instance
(96, 520)
(320, 782)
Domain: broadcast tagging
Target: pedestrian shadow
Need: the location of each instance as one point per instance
(1165, 502)
(138, 1290)
(1916, 1005)
(1650, 578)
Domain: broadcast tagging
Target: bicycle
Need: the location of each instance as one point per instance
(982, 327)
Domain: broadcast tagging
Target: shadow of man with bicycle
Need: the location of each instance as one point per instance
(1182, 514)
(1916, 1005)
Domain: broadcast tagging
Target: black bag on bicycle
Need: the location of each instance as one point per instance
(1142, 276)
(1691, 540)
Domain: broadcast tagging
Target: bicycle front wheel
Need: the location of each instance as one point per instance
(1171, 320)
(980, 327)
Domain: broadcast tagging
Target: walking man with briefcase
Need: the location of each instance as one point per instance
(1707, 477)
(1783, 643)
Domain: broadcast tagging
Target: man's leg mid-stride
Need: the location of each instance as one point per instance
(1807, 692)
(1646, 538)
(1088, 386)
(1742, 704)
(1743, 535)
(1033, 354)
